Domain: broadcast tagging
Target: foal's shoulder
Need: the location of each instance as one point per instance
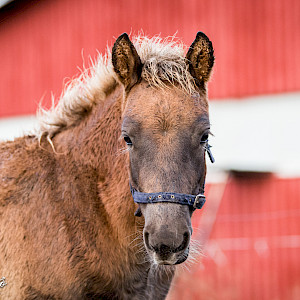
(22, 162)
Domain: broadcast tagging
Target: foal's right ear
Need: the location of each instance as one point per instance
(126, 61)
(200, 58)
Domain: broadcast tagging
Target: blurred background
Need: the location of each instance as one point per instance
(249, 228)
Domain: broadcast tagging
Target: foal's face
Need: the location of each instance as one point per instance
(164, 129)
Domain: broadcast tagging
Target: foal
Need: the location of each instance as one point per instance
(69, 227)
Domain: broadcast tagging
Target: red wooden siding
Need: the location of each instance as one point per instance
(253, 250)
(257, 42)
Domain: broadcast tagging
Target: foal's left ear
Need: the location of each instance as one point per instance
(200, 58)
(126, 61)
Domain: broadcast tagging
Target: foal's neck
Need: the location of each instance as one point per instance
(95, 142)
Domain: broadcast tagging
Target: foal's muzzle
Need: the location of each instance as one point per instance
(166, 245)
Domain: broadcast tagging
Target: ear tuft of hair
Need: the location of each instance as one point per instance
(200, 58)
(126, 61)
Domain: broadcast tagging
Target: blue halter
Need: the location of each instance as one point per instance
(195, 201)
(144, 198)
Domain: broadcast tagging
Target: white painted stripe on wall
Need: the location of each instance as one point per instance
(256, 134)
(17, 126)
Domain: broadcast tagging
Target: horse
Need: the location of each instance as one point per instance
(97, 203)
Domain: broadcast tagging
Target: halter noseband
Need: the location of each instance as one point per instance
(196, 201)
(185, 199)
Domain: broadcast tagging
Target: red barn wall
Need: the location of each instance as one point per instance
(257, 43)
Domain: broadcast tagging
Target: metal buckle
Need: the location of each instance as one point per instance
(197, 200)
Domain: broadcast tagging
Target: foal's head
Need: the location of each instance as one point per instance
(165, 126)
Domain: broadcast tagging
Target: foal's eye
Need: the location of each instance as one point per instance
(204, 138)
(127, 140)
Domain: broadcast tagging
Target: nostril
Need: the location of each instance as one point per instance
(146, 239)
(186, 235)
(185, 242)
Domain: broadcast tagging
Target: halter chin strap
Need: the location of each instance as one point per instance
(195, 201)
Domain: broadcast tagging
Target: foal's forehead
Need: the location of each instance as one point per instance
(149, 105)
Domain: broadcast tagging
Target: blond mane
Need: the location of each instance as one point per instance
(163, 62)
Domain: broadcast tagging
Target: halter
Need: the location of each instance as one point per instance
(195, 201)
